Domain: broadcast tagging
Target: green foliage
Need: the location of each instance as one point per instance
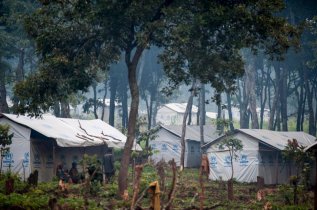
(294, 152)
(205, 42)
(27, 201)
(73, 203)
(19, 186)
(186, 196)
(149, 175)
(72, 53)
(92, 168)
(233, 145)
(5, 137)
(76, 39)
(5, 141)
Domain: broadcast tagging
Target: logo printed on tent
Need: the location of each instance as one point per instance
(227, 161)
(26, 159)
(175, 147)
(213, 161)
(8, 160)
(164, 147)
(244, 160)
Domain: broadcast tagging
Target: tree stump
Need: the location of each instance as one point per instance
(230, 189)
(9, 186)
(259, 182)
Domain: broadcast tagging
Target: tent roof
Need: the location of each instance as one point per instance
(193, 132)
(73, 132)
(180, 107)
(276, 139)
(212, 115)
(311, 147)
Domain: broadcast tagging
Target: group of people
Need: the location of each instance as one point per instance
(73, 176)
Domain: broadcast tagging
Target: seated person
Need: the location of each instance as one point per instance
(60, 173)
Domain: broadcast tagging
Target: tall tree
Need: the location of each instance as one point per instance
(151, 83)
(187, 111)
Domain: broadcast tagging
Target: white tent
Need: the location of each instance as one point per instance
(261, 156)
(173, 113)
(42, 143)
(167, 144)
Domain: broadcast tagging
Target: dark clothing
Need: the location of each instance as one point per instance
(60, 173)
(74, 175)
(96, 173)
(108, 165)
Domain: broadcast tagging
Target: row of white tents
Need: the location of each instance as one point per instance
(261, 154)
(43, 143)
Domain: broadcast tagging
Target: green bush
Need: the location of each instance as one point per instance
(27, 201)
(19, 185)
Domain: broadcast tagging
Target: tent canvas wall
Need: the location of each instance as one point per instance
(261, 156)
(167, 145)
(43, 143)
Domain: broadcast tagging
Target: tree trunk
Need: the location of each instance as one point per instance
(230, 190)
(156, 105)
(311, 116)
(113, 91)
(230, 111)
(202, 113)
(134, 90)
(190, 102)
(203, 105)
(4, 108)
(94, 88)
(57, 109)
(152, 100)
(124, 101)
(283, 99)
(277, 124)
(243, 99)
(219, 125)
(104, 100)
(147, 104)
(250, 90)
(65, 111)
(275, 100)
(304, 112)
(264, 95)
(188, 107)
(300, 107)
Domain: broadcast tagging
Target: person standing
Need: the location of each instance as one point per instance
(73, 173)
(108, 165)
